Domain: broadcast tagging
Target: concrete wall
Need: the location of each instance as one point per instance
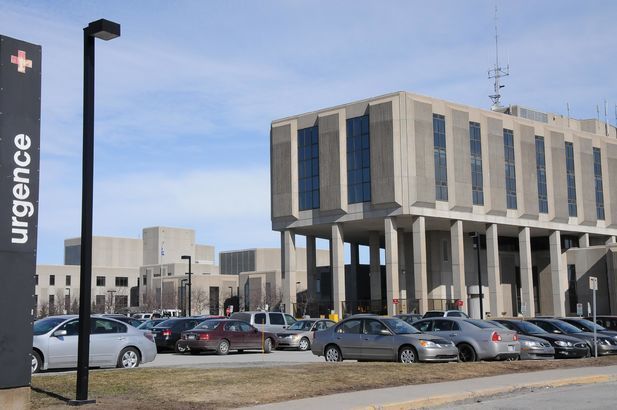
(175, 242)
(106, 251)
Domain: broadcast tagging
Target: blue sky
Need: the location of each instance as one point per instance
(185, 97)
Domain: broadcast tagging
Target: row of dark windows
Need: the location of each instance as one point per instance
(121, 281)
(359, 167)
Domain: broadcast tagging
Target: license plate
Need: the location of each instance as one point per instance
(191, 337)
(510, 348)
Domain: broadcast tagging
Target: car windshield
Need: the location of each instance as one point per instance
(301, 325)
(527, 327)
(433, 314)
(481, 324)
(400, 327)
(165, 323)
(208, 325)
(590, 325)
(43, 326)
(497, 324)
(566, 327)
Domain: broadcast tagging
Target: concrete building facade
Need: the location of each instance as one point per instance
(418, 176)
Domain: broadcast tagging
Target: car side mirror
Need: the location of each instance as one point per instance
(385, 332)
(59, 333)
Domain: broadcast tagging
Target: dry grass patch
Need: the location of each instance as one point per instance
(163, 388)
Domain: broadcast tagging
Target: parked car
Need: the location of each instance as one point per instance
(372, 338)
(409, 317)
(266, 321)
(149, 324)
(168, 332)
(300, 334)
(142, 316)
(588, 326)
(605, 344)
(112, 343)
(566, 347)
(609, 322)
(131, 321)
(445, 313)
(223, 335)
(532, 348)
(475, 339)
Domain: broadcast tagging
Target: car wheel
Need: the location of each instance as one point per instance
(333, 354)
(268, 345)
(588, 354)
(223, 347)
(466, 353)
(128, 358)
(180, 348)
(37, 362)
(304, 344)
(407, 355)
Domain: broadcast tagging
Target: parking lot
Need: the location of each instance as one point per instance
(233, 359)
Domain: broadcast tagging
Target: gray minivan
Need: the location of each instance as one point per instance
(266, 321)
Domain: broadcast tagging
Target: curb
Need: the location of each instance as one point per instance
(441, 400)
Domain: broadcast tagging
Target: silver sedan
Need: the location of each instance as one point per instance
(375, 338)
(300, 334)
(112, 343)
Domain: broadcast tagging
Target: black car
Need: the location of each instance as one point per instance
(167, 333)
(565, 346)
(609, 322)
(588, 326)
(150, 323)
(604, 345)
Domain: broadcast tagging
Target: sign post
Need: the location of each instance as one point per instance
(593, 285)
(20, 113)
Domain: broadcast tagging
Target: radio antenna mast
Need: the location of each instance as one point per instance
(497, 73)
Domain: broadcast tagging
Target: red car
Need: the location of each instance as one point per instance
(223, 335)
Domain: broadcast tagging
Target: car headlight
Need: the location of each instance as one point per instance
(427, 343)
(562, 343)
(531, 343)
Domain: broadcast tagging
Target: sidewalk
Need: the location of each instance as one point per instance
(406, 397)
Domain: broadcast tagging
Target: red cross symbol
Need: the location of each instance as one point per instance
(21, 61)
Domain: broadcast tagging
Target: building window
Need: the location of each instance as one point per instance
(308, 167)
(541, 172)
(122, 281)
(121, 301)
(444, 251)
(570, 176)
(99, 300)
(477, 189)
(52, 280)
(508, 147)
(439, 153)
(597, 171)
(572, 296)
(100, 281)
(36, 280)
(358, 160)
(68, 280)
(52, 300)
(145, 281)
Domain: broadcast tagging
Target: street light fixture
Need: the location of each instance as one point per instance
(188, 257)
(105, 30)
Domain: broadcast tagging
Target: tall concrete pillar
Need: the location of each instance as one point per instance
(392, 268)
(419, 263)
(338, 269)
(353, 279)
(611, 240)
(583, 241)
(526, 272)
(558, 278)
(288, 269)
(311, 265)
(403, 272)
(493, 270)
(375, 272)
(458, 262)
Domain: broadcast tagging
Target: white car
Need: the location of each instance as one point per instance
(112, 343)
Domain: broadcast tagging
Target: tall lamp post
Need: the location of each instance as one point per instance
(188, 257)
(105, 30)
(476, 236)
(183, 293)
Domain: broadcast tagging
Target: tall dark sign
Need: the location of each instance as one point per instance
(20, 113)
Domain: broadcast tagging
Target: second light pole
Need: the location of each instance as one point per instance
(188, 257)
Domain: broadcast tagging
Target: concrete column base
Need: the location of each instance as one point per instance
(17, 398)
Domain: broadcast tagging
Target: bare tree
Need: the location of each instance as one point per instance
(44, 310)
(74, 307)
(199, 301)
